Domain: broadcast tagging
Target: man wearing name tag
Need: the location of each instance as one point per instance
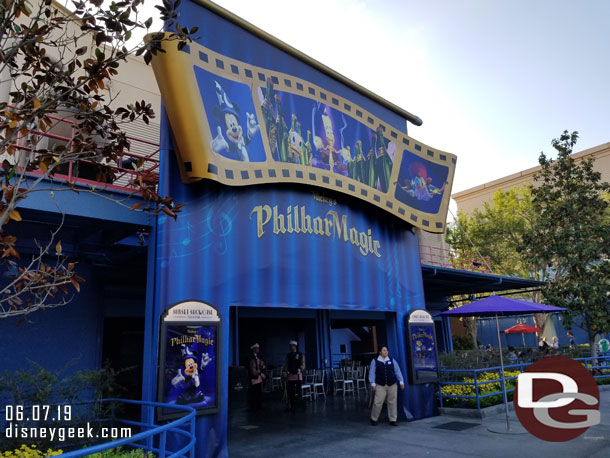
(384, 374)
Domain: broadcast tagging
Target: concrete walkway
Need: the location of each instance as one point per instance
(339, 428)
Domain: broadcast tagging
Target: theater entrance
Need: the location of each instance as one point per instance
(333, 342)
(356, 340)
(330, 340)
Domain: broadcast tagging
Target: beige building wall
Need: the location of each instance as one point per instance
(135, 82)
(473, 198)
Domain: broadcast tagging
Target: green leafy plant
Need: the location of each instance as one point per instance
(121, 452)
(81, 390)
(58, 65)
(29, 452)
(570, 236)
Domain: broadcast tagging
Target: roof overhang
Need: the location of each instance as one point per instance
(441, 282)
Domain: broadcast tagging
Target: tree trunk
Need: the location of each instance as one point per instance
(540, 319)
(470, 323)
(592, 347)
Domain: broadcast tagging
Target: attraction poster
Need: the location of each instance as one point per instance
(422, 348)
(242, 112)
(309, 132)
(421, 183)
(231, 115)
(189, 353)
(424, 351)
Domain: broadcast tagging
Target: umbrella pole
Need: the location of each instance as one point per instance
(523, 338)
(502, 374)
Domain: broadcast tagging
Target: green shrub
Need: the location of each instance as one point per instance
(463, 342)
(29, 452)
(36, 385)
(121, 452)
(461, 359)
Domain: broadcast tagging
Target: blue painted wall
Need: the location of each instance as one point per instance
(340, 337)
(67, 337)
(487, 334)
(214, 252)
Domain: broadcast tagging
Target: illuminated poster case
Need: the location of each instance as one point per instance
(189, 358)
(423, 358)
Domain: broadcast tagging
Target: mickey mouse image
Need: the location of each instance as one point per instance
(228, 114)
(420, 349)
(187, 378)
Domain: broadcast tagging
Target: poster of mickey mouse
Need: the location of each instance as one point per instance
(189, 361)
(421, 339)
(232, 118)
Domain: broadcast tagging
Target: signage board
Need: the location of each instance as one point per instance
(423, 362)
(243, 112)
(188, 358)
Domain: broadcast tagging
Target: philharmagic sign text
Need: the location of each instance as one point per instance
(295, 220)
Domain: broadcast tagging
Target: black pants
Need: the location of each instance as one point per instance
(293, 391)
(256, 396)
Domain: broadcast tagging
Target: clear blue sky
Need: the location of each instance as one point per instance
(494, 81)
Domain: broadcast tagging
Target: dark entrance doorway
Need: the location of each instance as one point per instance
(123, 347)
(273, 333)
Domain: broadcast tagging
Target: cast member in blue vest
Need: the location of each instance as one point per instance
(384, 376)
(294, 367)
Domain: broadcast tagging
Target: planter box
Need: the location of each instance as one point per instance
(487, 411)
(474, 413)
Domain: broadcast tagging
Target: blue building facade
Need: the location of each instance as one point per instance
(309, 247)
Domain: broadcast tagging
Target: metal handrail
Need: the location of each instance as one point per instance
(151, 170)
(444, 257)
(590, 363)
(174, 426)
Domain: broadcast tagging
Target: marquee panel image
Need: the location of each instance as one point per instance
(240, 124)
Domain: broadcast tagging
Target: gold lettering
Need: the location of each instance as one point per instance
(305, 221)
(289, 219)
(317, 226)
(353, 236)
(338, 226)
(375, 248)
(363, 245)
(260, 222)
(327, 223)
(296, 219)
(278, 222)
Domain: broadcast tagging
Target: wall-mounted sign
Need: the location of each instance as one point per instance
(423, 363)
(241, 113)
(188, 358)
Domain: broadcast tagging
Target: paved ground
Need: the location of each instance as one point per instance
(339, 428)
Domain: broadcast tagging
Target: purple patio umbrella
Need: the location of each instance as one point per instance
(501, 306)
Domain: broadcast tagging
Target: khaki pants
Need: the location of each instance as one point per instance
(381, 392)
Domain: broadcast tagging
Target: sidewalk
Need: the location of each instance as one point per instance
(339, 428)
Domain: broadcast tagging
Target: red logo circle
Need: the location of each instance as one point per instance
(556, 399)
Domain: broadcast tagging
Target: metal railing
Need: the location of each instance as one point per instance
(599, 366)
(443, 257)
(125, 175)
(154, 437)
(151, 437)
